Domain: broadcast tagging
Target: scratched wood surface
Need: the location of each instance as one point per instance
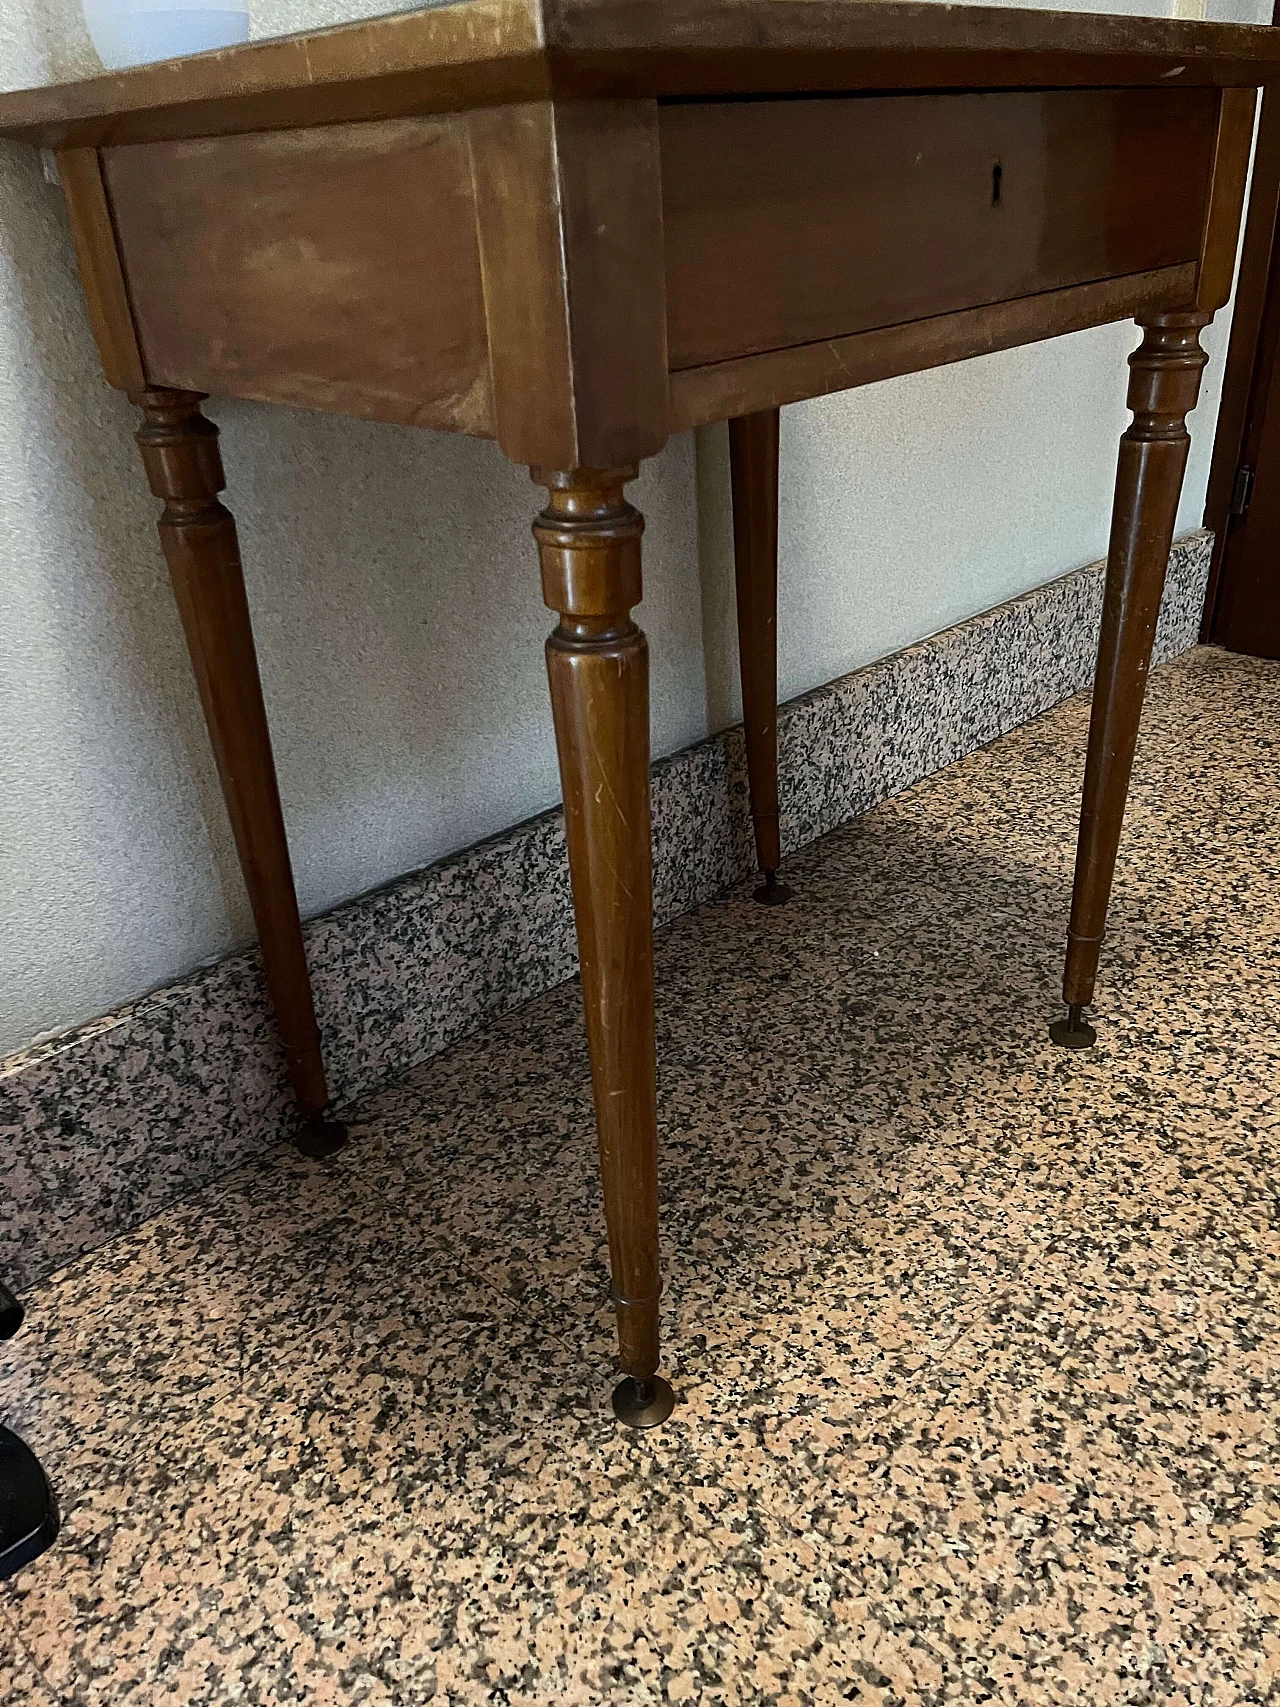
(721, 390)
(267, 267)
(487, 52)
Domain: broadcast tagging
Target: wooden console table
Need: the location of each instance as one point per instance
(578, 226)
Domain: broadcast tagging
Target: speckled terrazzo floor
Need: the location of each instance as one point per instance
(976, 1341)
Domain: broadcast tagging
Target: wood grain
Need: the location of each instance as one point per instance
(489, 52)
(436, 60)
(1233, 146)
(1247, 614)
(180, 452)
(725, 389)
(1164, 384)
(569, 213)
(1254, 332)
(598, 666)
(753, 466)
(105, 292)
(687, 48)
(790, 222)
(334, 268)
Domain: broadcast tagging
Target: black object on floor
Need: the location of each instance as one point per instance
(320, 1137)
(28, 1515)
(10, 1313)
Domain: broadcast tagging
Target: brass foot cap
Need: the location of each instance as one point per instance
(643, 1404)
(772, 893)
(1073, 1032)
(321, 1137)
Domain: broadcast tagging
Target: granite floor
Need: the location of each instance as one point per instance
(976, 1341)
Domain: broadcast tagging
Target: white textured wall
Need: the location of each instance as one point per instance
(395, 595)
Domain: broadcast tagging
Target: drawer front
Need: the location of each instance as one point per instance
(790, 222)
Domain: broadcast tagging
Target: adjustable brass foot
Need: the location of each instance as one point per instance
(319, 1137)
(1074, 1032)
(772, 893)
(643, 1404)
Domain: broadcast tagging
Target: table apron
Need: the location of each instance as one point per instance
(798, 246)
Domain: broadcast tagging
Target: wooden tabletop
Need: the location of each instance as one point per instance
(488, 52)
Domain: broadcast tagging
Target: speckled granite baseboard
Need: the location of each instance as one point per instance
(105, 1125)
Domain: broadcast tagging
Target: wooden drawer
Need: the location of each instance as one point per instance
(789, 222)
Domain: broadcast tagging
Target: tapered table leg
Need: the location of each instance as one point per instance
(598, 664)
(1163, 385)
(753, 465)
(180, 450)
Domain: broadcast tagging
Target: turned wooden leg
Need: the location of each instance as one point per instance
(180, 450)
(598, 664)
(1163, 385)
(753, 464)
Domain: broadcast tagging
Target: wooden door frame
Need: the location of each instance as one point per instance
(1248, 324)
